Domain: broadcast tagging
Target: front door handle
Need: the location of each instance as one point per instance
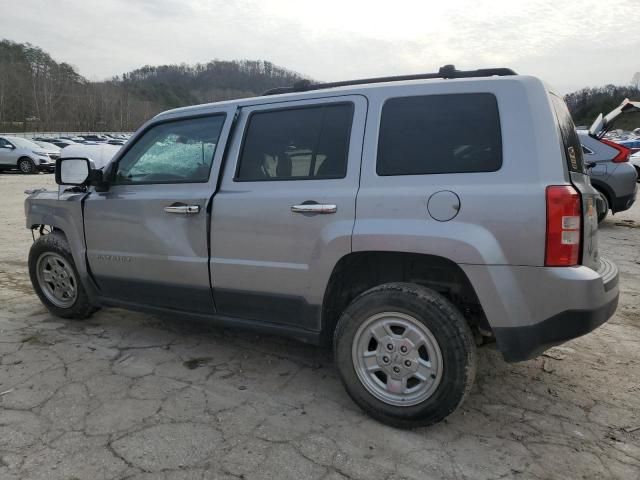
(314, 208)
(183, 209)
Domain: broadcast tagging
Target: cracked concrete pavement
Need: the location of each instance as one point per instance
(129, 395)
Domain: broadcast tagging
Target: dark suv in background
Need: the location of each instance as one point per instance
(608, 163)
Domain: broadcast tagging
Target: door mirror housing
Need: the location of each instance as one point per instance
(76, 172)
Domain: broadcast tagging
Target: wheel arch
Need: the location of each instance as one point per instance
(605, 189)
(24, 157)
(358, 272)
(64, 218)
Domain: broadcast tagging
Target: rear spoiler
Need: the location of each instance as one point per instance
(603, 124)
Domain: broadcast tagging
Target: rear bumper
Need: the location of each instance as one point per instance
(624, 202)
(523, 343)
(531, 309)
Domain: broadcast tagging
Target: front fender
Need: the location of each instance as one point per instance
(64, 212)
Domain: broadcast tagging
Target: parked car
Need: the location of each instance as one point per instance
(47, 146)
(93, 137)
(26, 156)
(611, 173)
(631, 144)
(74, 139)
(58, 142)
(397, 219)
(635, 161)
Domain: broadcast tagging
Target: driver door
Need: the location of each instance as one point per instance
(147, 236)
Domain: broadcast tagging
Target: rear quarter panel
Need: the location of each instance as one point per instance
(502, 218)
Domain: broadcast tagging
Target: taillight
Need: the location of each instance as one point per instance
(564, 219)
(623, 152)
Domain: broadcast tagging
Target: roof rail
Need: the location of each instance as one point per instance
(448, 71)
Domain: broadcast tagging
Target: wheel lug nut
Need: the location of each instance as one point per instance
(407, 363)
(403, 349)
(389, 346)
(385, 359)
(396, 369)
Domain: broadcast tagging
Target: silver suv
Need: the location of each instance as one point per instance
(402, 220)
(26, 156)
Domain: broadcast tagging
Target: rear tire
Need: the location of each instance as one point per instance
(55, 278)
(603, 215)
(26, 166)
(405, 354)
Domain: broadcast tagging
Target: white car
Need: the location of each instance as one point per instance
(26, 156)
(635, 161)
(100, 153)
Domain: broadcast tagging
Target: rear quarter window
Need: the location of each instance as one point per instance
(430, 134)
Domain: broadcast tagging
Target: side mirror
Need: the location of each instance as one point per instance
(76, 172)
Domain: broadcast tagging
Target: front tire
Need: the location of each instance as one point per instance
(405, 354)
(55, 279)
(26, 166)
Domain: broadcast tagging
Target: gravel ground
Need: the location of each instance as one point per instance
(128, 395)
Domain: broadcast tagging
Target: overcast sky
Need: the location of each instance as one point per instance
(568, 43)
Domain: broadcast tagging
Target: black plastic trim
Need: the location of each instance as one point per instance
(268, 307)
(301, 334)
(197, 299)
(523, 343)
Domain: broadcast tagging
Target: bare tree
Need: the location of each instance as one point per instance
(36, 92)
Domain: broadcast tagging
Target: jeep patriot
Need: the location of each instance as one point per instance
(403, 221)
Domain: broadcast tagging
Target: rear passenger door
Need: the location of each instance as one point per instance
(285, 210)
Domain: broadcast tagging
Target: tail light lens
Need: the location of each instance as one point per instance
(623, 152)
(564, 221)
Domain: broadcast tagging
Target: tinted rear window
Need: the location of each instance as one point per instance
(429, 134)
(570, 140)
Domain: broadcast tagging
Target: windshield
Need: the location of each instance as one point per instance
(23, 142)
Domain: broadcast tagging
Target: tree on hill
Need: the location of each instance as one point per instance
(38, 93)
(586, 104)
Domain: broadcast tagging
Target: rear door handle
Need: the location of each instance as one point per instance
(183, 209)
(314, 208)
